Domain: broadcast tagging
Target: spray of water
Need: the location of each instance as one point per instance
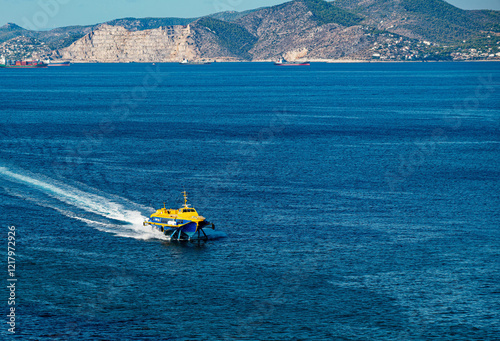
(130, 220)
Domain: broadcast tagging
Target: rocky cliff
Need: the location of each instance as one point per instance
(109, 44)
(115, 44)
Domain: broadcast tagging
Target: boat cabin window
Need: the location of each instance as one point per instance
(188, 210)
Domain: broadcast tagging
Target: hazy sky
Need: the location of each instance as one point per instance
(45, 14)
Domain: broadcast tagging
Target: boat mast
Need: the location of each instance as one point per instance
(185, 199)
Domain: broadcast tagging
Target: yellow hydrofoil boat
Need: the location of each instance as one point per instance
(181, 224)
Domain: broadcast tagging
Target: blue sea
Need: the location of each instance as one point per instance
(350, 201)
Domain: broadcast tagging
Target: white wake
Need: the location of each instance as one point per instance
(131, 220)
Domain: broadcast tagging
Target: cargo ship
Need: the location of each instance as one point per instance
(283, 62)
(21, 64)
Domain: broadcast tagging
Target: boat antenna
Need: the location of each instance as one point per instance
(185, 199)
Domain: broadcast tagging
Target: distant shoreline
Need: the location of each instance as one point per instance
(360, 61)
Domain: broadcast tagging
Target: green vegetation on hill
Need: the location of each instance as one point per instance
(432, 20)
(231, 36)
(326, 13)
(436, 8)
(488, 19)
(443, 22)
(141, 24)
(232, 15)
(10, 31)
(64, 42)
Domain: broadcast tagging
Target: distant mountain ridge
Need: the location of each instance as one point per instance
(299, 29)
(64, 36)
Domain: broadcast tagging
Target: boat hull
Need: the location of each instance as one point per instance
(194, 63)
(60, 64)
(38, 66)
(293, 64)
(188, 231)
